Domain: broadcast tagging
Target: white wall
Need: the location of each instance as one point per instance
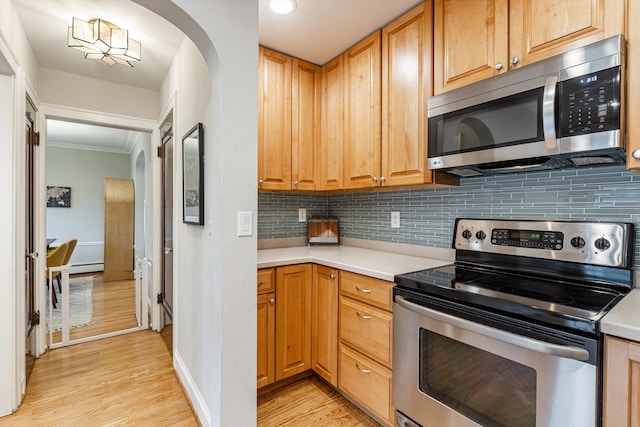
(215, 307)
(84, 171)
(66, 89)
(12, 31)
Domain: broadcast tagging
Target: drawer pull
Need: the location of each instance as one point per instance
(364, 371)
(364, 291)
(365, 317)
(259, 284)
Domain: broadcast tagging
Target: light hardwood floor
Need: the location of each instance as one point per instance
(309, 402)
(129, 380)
(124, 380)
(113, 308)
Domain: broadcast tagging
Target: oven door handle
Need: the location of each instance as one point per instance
(568, 352)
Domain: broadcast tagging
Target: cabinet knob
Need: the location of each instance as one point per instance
(498, 66)
(515, 60)
(295, 183)
(272, 301)
(374, 179)
(636, 154)
(382, 179)
(261, 182)
(332, 276)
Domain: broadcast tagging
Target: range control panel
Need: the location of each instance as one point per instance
(600, 243)
(537, 239)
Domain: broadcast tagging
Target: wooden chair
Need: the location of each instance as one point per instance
(55, 258)
(71, 247)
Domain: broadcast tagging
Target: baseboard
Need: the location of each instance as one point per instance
(87, 268)
(193, 394)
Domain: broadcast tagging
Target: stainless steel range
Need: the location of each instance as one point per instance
(508, 335)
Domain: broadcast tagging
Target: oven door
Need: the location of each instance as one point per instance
(449, 371)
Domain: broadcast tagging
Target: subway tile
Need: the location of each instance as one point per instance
(427, 215)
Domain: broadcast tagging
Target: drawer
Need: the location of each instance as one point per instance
(367, 329)
(367, 289)
(266, 280)
(367, 382)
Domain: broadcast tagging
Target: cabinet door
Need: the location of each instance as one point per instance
(362, 113)
(621, 383)
(324, 325)
(565, 25)
(274, 121)
(305, 130)
(330, 152)
(266, 339)
(470, 41)
(406, 69)
(293, 320)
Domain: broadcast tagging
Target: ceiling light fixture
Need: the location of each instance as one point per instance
(102, 40)
(282, 7)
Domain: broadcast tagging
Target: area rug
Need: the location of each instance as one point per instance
(80, 304)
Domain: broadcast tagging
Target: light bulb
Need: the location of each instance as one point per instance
(282, 7)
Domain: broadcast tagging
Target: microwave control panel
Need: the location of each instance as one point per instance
(589, 103)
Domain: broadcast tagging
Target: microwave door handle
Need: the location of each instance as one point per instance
(568, 352)
(548, 113)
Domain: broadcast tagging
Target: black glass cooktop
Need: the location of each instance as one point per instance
(513, 293)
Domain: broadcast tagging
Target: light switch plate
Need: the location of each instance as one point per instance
(395, 219)
(245, 223)
(302, 215)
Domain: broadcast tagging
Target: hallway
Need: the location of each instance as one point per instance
(124, 380)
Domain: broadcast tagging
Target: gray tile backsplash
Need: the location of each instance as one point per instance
(427, 215)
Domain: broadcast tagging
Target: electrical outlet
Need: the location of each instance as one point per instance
(395, 219)
(302, 215)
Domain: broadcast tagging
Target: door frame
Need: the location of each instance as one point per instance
(157, 311)
(59, 112)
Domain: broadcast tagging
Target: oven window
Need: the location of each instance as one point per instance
(488, 389)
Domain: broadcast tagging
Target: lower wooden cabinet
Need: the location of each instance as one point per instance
(337, 323)
(266, 339)
(293, 320)
(284, 323)
(366, 381)
(621, 383)
(324, 324)
(366, 338)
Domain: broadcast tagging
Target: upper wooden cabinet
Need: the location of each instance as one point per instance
(289, 108)
(330, 156)
(476, 40)
(406, 84)
(305, 132)
(362, 97)
(274, 121)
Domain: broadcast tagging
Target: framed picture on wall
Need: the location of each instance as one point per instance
(193, 176)
(58, 197)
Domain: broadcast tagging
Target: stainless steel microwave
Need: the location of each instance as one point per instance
(565, 111)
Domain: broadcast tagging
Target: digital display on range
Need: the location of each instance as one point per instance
(524, 235)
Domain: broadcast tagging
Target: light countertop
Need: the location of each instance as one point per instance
(624, 319)
(374, 263)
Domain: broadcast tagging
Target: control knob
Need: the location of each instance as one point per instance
(466, 234)
(480, 235)
(602, 244)
(578, 242)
